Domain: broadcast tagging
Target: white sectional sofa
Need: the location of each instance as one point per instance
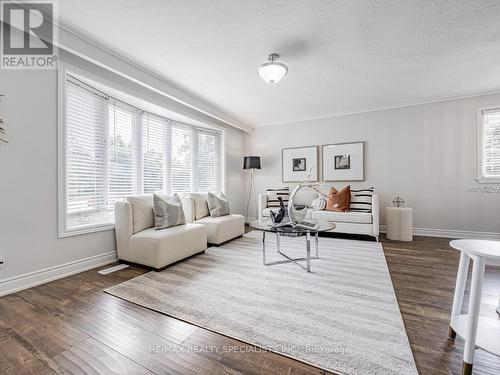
(137, 241)
(366, 223)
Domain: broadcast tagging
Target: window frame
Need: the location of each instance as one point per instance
(63, 230)
(480, 177)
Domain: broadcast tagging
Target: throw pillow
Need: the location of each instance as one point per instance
(200, 205)
(217, 204)
(319, 203)
(339, 200)
(273, 194)
(142, 212)
(361, 200)
(168, 213)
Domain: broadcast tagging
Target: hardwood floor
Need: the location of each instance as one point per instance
(71, 326)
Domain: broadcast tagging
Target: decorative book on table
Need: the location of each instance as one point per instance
(305, 225)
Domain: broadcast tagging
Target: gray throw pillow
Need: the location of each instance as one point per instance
(217, 204)
(168, 213)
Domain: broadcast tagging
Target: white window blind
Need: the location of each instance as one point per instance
(113, 150)
(86, 119)
(123, 167)
(491, 144)
(182, 159)
(155, 146)
(207, 160)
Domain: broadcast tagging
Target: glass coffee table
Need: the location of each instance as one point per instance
(267, 226)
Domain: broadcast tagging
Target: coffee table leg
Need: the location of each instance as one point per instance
(316, 240)
(278, 242)
(264, 247)
(473, 314)
(463, 269)
(308, 241)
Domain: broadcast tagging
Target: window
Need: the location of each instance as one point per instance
(112, 150)
(489, 145)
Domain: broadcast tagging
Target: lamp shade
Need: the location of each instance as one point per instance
(272, 72)
(251, 162)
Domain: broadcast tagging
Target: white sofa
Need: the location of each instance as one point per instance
(137, 241)
(219, 229)
(345, 222)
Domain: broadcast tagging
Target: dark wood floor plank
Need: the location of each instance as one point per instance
(93, 358)
(423, 273)
(151, 351)
(18, 356)
(72, 326)
(162, 325)
(42, 331)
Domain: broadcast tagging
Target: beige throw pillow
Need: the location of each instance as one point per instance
(168, 213)
(218, 204)
(200, 205)
(142, 212)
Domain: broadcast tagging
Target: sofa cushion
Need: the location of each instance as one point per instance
(217, 204)
(223, 228)
(200, 205)
(266, 212)
(339, 200)
(273, 194)
(142, 212)
(168, 213)
(319, 203)
(343, 217)
(158, 248)
(361, 200)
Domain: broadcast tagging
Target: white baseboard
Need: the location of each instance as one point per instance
(31, 279)
(450, 233)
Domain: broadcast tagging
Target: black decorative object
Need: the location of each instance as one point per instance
(278, 217)
(251, 162)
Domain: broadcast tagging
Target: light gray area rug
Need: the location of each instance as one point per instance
(342, 317)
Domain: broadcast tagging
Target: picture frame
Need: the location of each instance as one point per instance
(299, 164)
(298, 161)
(343, 162)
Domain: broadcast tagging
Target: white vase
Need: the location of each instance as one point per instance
(295, 214)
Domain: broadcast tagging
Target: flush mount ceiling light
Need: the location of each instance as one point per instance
(272, 71)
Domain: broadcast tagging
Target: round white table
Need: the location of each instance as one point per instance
(477, 331)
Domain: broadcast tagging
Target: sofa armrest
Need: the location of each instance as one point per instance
(376, 215)
(261, 204)
(124, 228)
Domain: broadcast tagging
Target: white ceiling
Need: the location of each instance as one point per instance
(344, 56)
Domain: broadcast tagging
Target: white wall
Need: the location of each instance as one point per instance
(426, 153)
(28, 183)
(28, 175)
(235, 182)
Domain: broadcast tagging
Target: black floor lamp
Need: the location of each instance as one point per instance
(252, 163)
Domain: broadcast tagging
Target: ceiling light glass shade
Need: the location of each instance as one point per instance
(272, 71)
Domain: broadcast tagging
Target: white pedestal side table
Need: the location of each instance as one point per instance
(399, 223)
(477, 331)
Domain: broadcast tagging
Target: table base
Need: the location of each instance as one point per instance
(289, 259)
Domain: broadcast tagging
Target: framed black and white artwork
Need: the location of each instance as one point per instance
(298, 162)
(343, 162)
